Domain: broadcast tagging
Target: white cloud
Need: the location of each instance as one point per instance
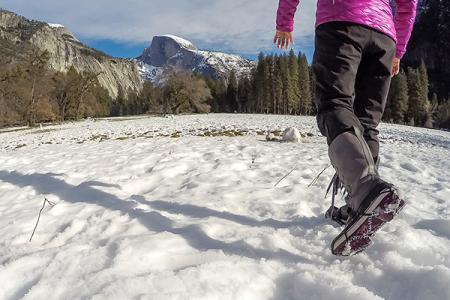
(237, 25)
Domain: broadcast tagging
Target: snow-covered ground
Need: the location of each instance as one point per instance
(197, 207)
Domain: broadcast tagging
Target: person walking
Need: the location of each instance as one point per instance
(358, 48)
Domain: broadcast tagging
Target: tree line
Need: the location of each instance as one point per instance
(30, 93)
(284, 84)
(280, 84)
(409, 101)
(430, 42)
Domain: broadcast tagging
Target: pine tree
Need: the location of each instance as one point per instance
(232, 93)
(277, 88)
(221, 94)
(397, 102)
(443, 115)
(252, 92)
(427, 117)
(270, 103)
(313, 91)
(305, 106)
(294, 89)
(434, 104)
(415, 108)
(244, 94)
(285, 78)
(259, 79)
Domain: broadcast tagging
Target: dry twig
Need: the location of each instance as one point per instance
(39, 217)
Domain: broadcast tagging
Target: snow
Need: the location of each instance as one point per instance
(291, 134)
(222, 62)
(151, 73)
(226, 62)
(192, 207)
(182, 42)
(55, 25)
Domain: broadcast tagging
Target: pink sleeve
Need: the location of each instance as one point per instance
(405, 16)
(285, 15)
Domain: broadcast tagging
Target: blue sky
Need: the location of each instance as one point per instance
(125, 28)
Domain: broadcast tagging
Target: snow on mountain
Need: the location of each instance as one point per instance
(184, 43)
(169, 51)
(55, 25)
(187, 208)
(151, 73)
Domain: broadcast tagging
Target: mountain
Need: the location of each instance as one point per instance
(169, 51)
(19, 35)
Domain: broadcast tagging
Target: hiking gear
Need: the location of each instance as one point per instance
(352, 67)
(351, 157)
(380, 207)
(339, 215)
(376, 14)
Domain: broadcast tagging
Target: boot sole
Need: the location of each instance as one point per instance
(357, 235)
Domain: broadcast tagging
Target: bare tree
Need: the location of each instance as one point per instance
(184, 92)
(36, 70)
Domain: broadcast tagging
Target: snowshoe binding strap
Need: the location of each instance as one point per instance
(339, 215)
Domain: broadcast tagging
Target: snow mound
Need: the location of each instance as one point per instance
(292, 135)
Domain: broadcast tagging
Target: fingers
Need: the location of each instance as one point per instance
(395, 70)
(283, 40)
(278, 40)
(395, 67)
(287, 41)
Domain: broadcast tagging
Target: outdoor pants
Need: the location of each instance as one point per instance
(352, 67)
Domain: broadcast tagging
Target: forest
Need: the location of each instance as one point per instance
(31, 93)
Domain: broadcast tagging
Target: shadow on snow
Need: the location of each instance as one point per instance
(155, 221)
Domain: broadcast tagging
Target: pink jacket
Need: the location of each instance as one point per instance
(374, 13)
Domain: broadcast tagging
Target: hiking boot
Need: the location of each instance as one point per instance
(380, 207)
(372, 201)
(341, 214)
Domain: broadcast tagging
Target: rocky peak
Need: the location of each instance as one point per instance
(166, 47)
(66, 51)
(62, 31)
(10, 19)
(168, 51)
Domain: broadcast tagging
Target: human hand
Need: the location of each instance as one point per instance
(395, 67)
(283, 39)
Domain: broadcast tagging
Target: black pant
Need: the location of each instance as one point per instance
(352, 66)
